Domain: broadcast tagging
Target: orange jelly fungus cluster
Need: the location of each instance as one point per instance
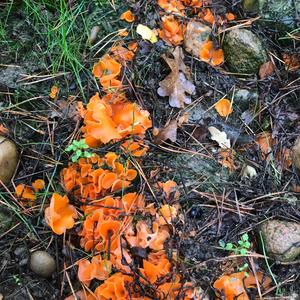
(234, 286)
(114, 225)
(94, 177)
(27, 193)
(173, 27)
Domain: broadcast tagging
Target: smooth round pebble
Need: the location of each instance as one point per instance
(42, 263)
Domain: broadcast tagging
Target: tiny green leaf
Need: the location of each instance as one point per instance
(247, 245)
(229, 246)
(222, 243)
(243, 251)
(245, 237)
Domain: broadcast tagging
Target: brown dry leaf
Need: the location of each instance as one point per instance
(176, 85)
(169, 132)
(266, 69)
(183, 119)
(292, 62)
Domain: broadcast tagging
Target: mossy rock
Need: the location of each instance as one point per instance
(244, 51)
(279, 15)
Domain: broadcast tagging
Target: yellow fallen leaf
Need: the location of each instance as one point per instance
(146, 33)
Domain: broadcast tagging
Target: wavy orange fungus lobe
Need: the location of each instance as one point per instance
(106, 70)
(224, 107)
(172, 6)
(210, 55)
(60, 214)
(95, 177)
(171, 30)
(97, 268)
(128, 16)
(107, 120)
(233, 287)
(25, 192)
(38, 184)
(135, 148)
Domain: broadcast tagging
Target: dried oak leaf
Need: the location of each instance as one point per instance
(220, 137)
(266, 69)
(169, 132)
(176, 85)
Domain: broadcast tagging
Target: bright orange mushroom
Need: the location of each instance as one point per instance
(233, 287)
(210, 55)
(25, 192)
(127, 16)
(171, 31)
(223, 107)
(98, 268)
(60, 214)
(172, 6)
(114, 288)
(38, 184)
(106, 70)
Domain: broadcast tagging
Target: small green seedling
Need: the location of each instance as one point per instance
(78, 149)
(240, 249)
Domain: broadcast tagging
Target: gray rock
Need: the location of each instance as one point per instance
(42, 263)
(244, 51)
(275, 14)
(281, 239)
(201, 172)
(245, 98)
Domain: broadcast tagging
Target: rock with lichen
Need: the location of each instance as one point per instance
(280, 15)
(281, 239)
(244, 51)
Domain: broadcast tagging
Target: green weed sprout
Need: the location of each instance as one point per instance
(78, 149)
(240, 249)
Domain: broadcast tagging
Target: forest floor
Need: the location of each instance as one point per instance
(48, 43)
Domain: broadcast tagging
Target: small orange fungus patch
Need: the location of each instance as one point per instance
(172, 31)
(224, 107)
(97, 268)
(96, 176)
(25, 192)
(128, 16)
(54, 92)
(210, 55)
(135, 148)
(38, 184)
(172, 6)
(60, 214)
(106, 70)
(170, 190)
(233, 287)
(114, 288)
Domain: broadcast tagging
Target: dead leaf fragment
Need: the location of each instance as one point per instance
(292, 62)
(266, 69)
(169, 132)
(176, 85)
(220, 137)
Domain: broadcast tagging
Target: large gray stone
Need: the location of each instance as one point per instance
(281, 239)
(244, 51)
(275, 14)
